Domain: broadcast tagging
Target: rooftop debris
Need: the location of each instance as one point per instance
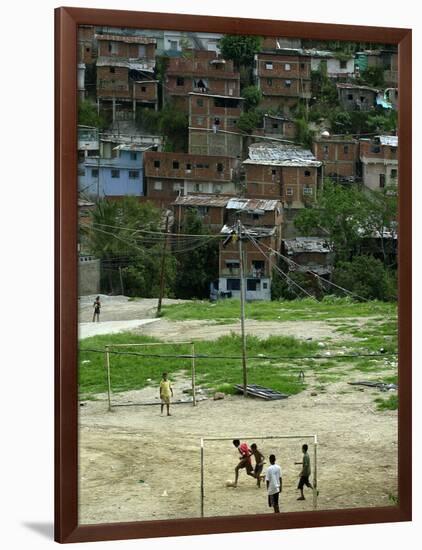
(256, 232)
(350, 86)
(253, 205)
(201, 200)
(127, 39)
(259, 391)
(307, 244)
(391, 141)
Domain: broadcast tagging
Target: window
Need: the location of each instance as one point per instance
(88, 50)
(287, 67)
(176, 165)
(133, 174)
(113, 69)
(287, 83)
(375, 149)
(81, 172)
(393, 174)
(232, 264)
(343, 64)
(156, 164)
(269, 81)
(178, 186)
(133, 155)
(258, 264)
(142, 50)
(143, 88)
(180, 81)
(233, 284)
(350, 97)
(362, 98)
(94, 172)
(302, 65)
(200, 102)
(275, 125)
(220, 167)
(173, 44)
(158, 185)
(308, 191)
(273, 172)
(345, 149)
(265, 286)
(382, 180)
(200, 120)
(112, 47)
(289, 191)
(203, 210)
(307, 173)
(197, 187)
(269, 65)
(216, 188)
(252, 284)
(188, 166)
(115, 174)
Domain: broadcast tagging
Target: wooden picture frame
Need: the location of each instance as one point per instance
(66, 298)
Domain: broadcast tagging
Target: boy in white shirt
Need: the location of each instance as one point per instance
(274, 484)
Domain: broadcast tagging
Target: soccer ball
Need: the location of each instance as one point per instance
(229, 483)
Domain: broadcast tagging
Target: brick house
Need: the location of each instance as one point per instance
(172, 174)
(379, 161)
(287, 173)
(199, 71)
(213, 124)
(276, 126)
(309, 254)
(284, 78)
(356, 98)
(339, 156)
(125, 74)
(258, 264)
(210, 208)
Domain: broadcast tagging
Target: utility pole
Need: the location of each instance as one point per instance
(242, 307)
(163, 260)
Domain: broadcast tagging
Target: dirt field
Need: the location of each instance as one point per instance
(137, 465)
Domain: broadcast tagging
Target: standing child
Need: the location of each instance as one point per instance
(274, 484)
(259, 463)
(305, 472)
(166, 391)
(97, 308)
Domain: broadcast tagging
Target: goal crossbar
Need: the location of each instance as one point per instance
(314, 437)
(108, 349)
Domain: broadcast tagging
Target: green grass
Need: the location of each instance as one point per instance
(389, 404)
(327, 309)
(132, 372)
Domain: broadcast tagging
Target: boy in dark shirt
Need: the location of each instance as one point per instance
(305, 472)
(259, 463)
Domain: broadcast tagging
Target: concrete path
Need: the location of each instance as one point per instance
(111, 327)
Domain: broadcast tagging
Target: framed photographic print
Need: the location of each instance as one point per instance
(233, 269)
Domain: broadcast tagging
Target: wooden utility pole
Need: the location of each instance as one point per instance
(242, 307)
(163, 261)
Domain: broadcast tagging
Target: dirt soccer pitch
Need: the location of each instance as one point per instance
(137, 465)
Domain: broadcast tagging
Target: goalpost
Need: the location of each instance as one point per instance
(250, 438)
(108, 352)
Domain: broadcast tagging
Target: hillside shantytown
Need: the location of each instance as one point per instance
(184, 134)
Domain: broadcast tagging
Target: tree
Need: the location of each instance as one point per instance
(120, 237)
(253, 96)
(241, 49)
(198, 267)
(88, 115)
(373, 76)
(248, 121)
(366, 277)
(339, 215)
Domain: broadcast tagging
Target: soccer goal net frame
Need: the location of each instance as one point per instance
(313, 437)
(109, 352)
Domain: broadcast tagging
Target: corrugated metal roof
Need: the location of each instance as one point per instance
(201, 200)
(217, 95)
(307, 244)
(135, 64)
(126, 39)
(255, 232)
(276, 154)
(132, 147)
(253, 204)
(391, 141)
(349, 86)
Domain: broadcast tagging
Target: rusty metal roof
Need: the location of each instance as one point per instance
(276, 154)
(126, 39)
(202, 200)
(350, 86)
(251, 205)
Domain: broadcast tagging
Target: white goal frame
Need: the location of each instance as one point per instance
(245, 438)
(109, 347)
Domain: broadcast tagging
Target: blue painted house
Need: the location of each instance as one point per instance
(117, 174)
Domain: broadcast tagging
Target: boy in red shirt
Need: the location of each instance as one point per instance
(244, 461)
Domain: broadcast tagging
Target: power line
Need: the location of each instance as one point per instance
(238, 357)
